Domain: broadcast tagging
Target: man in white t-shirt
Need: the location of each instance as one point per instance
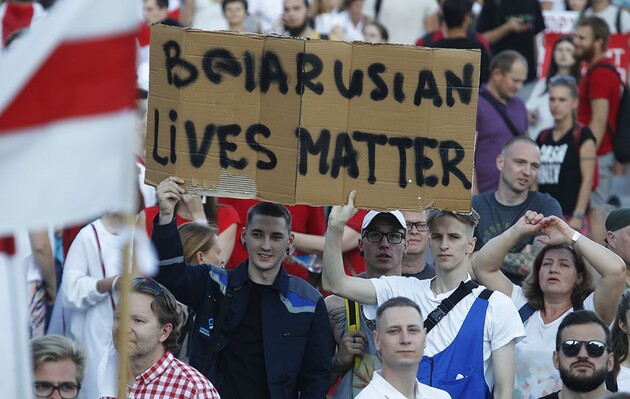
(400, 339)
(618, 20)
(470, 350)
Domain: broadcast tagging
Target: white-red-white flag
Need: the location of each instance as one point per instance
(67, 103)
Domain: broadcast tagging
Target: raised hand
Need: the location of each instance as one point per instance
(169, 193)
(556, 231)
(339, 215)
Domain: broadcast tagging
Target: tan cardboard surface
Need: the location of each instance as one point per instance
(299, 121)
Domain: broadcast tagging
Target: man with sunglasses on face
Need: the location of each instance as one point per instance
(583, 356)
(155, 320)
(259, 332)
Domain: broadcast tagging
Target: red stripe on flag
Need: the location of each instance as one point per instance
(81, 78)
(7, 245)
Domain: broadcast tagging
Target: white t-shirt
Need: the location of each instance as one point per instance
(404, 19)
(502, 323)
(379, 388)
(536, 375)
(623, 379)
(538, 102)
(609, 14)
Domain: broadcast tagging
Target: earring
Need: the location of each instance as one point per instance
(404, 254)
(361, 253)
(288, 251)
(244, 246)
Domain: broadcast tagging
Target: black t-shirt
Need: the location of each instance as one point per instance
(492, 17)
(559, 174)
(242, 360)
(551, 396)
(467, 43)
(427, 273)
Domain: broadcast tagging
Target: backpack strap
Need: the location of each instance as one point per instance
(448, 304)
(485, 294)
(525, 312)
(618, 19)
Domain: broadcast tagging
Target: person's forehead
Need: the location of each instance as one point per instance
(64, 370)
(523, 149)
(450, 224)
(400, 315)
(584, 332)
(293, 3)
(411, 216)
(268, 223)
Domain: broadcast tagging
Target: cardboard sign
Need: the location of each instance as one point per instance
(302, 121)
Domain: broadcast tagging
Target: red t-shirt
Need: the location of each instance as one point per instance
(305, 219)
(226, 216)
(595, 84)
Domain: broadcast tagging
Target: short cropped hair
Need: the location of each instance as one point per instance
(504, 60)
(581, 317)
(55, 348)
(524, 138)
(470, 219)
(224, 3)
(455, 11)
(396, 302)
(165, 307)
(269, 209)
(599, 27)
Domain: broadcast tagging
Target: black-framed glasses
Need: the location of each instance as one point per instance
(594, 348)
(67, 390)
(375, 236)
(420, 226)
(148, 284)
(570, 80)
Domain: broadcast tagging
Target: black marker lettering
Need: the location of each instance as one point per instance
(172, 115)
(225, 146)
(372, 140)
(463, 87)
(450, 165)
(402, 143)
(221, 60)
(156, 157)
(271, 71)
(198, 153)
(422, 162)
(305, 76)
(346, 156)
(381, 91)
(250, 136)
(399, 94)
(250, 71)
(356, 82)
(172, 51)
(307, 146)
(425, 77)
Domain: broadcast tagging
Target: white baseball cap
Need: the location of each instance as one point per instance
(372, 214)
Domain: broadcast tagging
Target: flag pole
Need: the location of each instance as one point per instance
(129, 269)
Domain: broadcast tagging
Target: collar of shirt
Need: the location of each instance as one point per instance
(157, 369)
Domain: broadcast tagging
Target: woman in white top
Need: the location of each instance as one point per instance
(558, 283)
(562, 63)
(620, 333)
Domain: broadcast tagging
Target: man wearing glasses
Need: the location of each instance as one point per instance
(583, 356)
(470, 340)
(155, 320)
(383, 245)
(58, 365)
(414, 263)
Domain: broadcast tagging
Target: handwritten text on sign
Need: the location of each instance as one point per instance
(298, 121)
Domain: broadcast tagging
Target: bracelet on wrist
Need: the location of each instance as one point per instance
(115, 281)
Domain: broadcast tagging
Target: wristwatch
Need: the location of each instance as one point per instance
(575, 237)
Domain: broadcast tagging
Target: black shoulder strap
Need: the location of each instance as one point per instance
(499, 108)
(377, 8)
(448, 304)
(542, 137)
(216, 330)
(618, 19)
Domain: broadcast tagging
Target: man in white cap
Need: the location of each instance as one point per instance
(471, 331)
(382, 244)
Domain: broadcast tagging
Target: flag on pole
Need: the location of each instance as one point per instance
(67, 130)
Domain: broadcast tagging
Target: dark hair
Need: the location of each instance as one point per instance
(226, 2)
(269, 209)
(165, 307)
(524, 138)
(531, 285)
(470, 219)
(55, 348)
(396, 302)
(161, 3)
(381, 29)
(576, 70)
(618, 337)
(504, 60)
(455, 11)
(599, 27)
(578, 318)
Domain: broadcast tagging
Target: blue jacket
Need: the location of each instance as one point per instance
(296, 343)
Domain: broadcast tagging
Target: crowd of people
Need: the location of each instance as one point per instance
(526, 296)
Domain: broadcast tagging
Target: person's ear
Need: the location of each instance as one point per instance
(500, 162)
(622, 326)
(556, 360)
(470, 248)
(166, 331)
(199, 257)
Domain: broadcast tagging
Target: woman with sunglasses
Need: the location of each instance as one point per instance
(561, 63)
(567, 153)
(620, 333)
(559, 283)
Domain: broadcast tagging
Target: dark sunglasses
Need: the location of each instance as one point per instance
(594, 348)
(570, 80)
(147, 284)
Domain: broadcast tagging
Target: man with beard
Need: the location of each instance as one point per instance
(599, 94)
(295, 19)
(583, 356)
(518, 167)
